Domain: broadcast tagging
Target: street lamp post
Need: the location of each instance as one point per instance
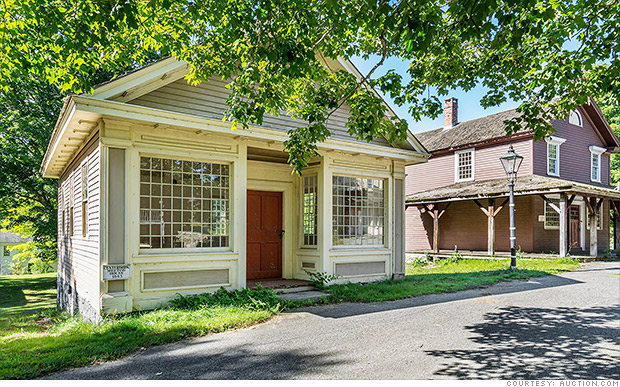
(511, 162)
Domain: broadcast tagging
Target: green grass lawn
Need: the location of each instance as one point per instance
(36, 338)
(448, 277)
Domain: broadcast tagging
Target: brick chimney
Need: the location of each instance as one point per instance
(450, 112)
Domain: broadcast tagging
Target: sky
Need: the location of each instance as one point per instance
(469, 102)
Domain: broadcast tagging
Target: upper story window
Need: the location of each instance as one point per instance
(183, 204)
(575, 118)
(464, 165)
(553, 155)
(358, 211)
(595, 163)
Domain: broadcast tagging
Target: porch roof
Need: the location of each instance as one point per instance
(495, 188)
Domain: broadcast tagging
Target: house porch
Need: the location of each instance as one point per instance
(553, 217)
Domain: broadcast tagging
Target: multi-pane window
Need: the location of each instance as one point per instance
(553, 155)
(464, 165)
(358, 211)
(310, 211)
(595, 163)
(595, 167)
(552, 218)
(183, 204)
(552, 159)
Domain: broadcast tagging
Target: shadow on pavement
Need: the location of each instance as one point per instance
(233, 363)
(539, 343)
(355, 309)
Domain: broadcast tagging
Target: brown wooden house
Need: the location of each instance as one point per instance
(563, 195)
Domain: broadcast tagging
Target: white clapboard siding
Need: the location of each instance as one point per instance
(78, 256)
(209, 100)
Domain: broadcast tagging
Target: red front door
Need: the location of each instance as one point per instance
(264, 250)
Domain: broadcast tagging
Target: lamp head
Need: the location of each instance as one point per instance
(511, 162)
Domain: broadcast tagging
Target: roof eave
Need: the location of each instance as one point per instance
(66, 114)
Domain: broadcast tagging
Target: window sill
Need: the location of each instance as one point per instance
(221, 255)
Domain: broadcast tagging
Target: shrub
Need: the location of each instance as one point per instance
(253, 299)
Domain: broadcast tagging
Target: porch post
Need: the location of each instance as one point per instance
(491, 212)
(593, 206)
(435, 228)
(491, 228)
(563, 226)
(436, 215)
(614, 207)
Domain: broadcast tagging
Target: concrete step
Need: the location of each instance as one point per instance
(296, 289)
(303, 296)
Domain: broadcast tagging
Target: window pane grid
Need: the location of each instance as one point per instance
(552, 218)
(183, 204)
(358, 211)
(595, 167)
(310, 211)
(552, 158)
(465, 165)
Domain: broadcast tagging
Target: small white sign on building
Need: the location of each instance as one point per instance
(116, 272)
(541, 218)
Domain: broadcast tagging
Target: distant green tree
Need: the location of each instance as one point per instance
(29, 108)
(28, 112)
(611, 110)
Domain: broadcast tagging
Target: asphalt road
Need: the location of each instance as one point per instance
(555, 327)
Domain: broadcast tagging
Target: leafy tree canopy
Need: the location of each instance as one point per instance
(272, 50)
(29, 107)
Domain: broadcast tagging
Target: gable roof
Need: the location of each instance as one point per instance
(491, 128)
(81, 116)
(129, 86)
(468, 132)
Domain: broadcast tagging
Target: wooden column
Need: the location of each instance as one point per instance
(562, 210)
(436, 214)
(614, 207)
(563, 226)
(491, 212)
(593, 206)
(491, 228)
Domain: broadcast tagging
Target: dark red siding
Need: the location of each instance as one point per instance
(465, 226)
(574, 153)
(439, 170)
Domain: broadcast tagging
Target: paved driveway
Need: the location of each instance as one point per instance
(565, 326)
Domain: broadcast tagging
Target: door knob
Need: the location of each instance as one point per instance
(280, 233)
